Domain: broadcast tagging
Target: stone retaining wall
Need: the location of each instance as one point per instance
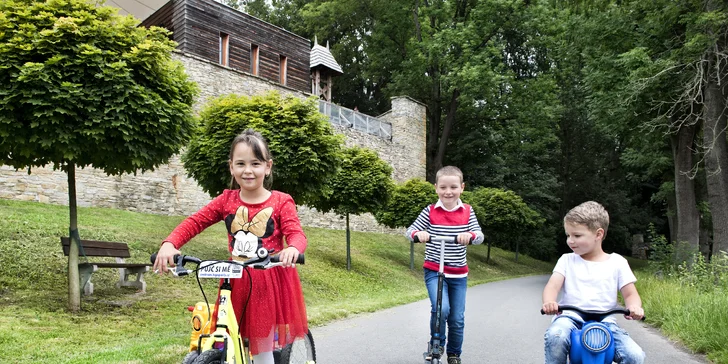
(167, 190)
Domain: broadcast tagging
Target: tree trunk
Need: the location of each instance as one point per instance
(348, 244)
(433, 132)
(487, 259)
(716, 153)
(446, 130)
(688, 220)
(672, 216)
(74, 289)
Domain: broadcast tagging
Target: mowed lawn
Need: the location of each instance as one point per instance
(125, 326)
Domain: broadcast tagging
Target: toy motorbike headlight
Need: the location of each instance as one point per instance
(596, 338)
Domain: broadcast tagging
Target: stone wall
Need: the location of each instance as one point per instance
(167, 190)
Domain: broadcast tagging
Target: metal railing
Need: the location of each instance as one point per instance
(348, 118)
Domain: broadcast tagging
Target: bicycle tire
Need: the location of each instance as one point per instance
(299, 351)
(212, 356)
(190, 357)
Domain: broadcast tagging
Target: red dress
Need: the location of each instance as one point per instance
(276, 302)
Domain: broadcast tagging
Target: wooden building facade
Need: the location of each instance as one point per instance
(218, 33)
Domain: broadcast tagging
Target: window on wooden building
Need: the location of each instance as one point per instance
(254, 59)
(224, 48)
(283, 67)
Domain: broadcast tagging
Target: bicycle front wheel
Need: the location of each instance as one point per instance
(212, 356)
(299, 352)
(190, 357)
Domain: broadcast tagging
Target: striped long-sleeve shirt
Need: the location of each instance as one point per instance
(436, 220)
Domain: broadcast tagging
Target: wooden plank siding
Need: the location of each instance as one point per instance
(197, 25)
(161, 18)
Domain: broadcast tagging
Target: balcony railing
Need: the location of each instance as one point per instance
(348, 118)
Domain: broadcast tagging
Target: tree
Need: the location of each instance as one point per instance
(669, 55)
(81, 86)
(503, 216)
(405, 204)
(304, 147)
(363, 184)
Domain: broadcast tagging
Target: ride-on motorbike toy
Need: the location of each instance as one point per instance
(594, 342)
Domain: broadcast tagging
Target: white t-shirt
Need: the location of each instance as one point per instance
(593, 285)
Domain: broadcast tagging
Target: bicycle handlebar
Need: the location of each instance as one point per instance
(592, 315)
(181, 260)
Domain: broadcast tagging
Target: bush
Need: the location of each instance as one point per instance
(504, 216)
(306, 152)
(406, 202)
(362, 184)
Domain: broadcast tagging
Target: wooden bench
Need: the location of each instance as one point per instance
(94, 248)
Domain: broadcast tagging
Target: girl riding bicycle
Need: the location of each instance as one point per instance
(253, 213)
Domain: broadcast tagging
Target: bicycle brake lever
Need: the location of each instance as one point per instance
(180, 271)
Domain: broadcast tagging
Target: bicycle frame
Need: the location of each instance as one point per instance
(226, 330)
(225, 339)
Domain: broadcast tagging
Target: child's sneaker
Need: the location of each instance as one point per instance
(453, 359)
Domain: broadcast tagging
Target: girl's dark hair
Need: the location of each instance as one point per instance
(258, 144)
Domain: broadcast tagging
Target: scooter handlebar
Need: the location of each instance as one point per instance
(447, 238)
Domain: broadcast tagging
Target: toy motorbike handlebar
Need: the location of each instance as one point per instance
(592, 315)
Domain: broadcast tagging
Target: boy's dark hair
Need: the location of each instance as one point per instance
(449, 171)
(590, 214)
(258, 144)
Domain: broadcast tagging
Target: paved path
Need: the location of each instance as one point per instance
(502, 325)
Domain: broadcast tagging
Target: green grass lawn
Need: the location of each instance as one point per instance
(123, 326)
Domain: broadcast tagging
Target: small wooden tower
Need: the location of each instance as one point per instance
(323, 68)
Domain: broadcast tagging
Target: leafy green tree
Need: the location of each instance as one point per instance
(363, 184)
(504, 218)
(405, 204)
(81, 86)
(657, 73)
(304, 147)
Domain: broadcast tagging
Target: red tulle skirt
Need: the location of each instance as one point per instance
(275, 306)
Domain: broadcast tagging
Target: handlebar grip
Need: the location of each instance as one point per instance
(153, 258)
(301, 259)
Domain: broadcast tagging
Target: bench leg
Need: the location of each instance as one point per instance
(139, 283)
(84, 272)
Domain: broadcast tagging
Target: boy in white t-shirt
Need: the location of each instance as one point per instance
(590, 279)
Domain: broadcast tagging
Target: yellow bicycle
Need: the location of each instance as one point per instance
(223, 343)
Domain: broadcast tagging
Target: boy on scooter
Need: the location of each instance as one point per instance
(590, 279)
(449, 217)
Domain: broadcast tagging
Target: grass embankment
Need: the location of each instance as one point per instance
(122, 326)
(696, 317)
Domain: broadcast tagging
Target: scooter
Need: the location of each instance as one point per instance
(594, 342)
(435, 351)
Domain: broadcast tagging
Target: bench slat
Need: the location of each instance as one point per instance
(95, 248)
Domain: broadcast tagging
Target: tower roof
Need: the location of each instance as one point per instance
(322, 57)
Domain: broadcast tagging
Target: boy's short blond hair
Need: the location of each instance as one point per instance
(590, 214)
(449, 171)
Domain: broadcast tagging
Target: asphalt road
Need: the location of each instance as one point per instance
(502, 325)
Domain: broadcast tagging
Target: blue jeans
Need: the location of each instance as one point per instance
(558, 342)
(453, 309)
